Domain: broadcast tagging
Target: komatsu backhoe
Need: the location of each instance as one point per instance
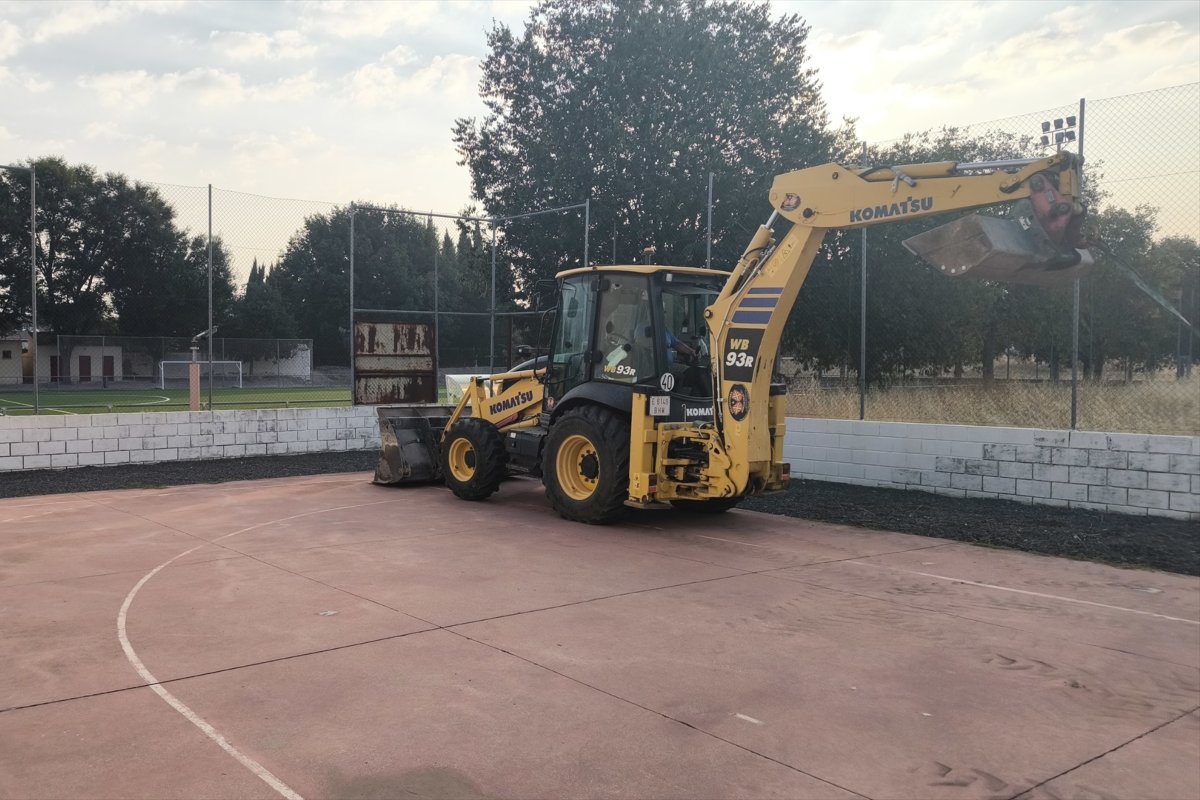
(658, 387)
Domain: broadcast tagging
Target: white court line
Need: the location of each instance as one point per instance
(191, 716)
(1026, 592)
(733, 541)
(44, 408)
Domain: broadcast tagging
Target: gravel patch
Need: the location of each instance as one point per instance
(178, 473)
(1121, 539)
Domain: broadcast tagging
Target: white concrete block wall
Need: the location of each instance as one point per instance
(1119, 472)
(96, 439)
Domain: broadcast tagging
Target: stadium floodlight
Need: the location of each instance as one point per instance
(1063, 131)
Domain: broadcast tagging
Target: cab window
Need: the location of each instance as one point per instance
(625, 332)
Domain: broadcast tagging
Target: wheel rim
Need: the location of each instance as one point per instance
(578, 467)
(462, 460)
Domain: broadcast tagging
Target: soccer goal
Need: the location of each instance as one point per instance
(225, 374)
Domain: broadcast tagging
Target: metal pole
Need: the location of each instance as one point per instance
(353, 398)
(708, 236)
(1075, 305)
(862, 323)
(33, 278)
(587, 225)
(492, 315)
(210, 302)
(437, 320)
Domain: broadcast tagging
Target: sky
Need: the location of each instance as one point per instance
(338, 101)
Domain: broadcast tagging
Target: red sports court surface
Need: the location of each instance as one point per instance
(324, 637)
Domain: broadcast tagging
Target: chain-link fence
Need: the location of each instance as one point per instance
(943, 351)
(269, 285)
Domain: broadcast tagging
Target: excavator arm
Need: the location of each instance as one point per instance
(1040, 243)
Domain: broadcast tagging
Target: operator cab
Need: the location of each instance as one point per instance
(634, 326)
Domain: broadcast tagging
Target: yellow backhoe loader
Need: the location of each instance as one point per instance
(658, 385)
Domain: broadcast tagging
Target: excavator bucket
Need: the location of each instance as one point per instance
(1015, 250)
(410, 436)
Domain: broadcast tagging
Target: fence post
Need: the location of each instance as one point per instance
(210, 302)
(587, 225)
(708, 235)
(1075, 304)
(437, 318)
(492, 315)
(353, 399)
(33, 277)
(862, 322)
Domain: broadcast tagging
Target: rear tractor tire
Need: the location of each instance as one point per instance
(585, 465)
(473, 459)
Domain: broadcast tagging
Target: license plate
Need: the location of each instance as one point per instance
(660, 405)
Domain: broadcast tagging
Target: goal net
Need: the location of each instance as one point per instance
(225, 374)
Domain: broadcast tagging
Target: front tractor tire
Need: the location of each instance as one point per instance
(473, 459)
(585, 465)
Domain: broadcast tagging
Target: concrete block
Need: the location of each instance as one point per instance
(982, 495)
(116, 432)
(46, 422)
(36, 435)
(212, 451)
(1111, 459)
(256, 449)
(1070, 456)
(116, 457)
(1000, 485)
(361, 444)
(80, 446)
(189, 453)
(1101, 507)
(945, 464)
(90, 459)
(1147, 498)
(141, 456)
(1033, 488)
(277, 448)
(234, 450)
(843, 470)
(13, 435)
(1181, 445)
(1185, 464)
(37, 462)
(1034, 454)
(1108, 494)
(23, 449)
(1000, 452)
(103, 445)
(852, 442)
(981, 467)
(936, 479)
(51, 448)
(203, 440)
(1168, 482)
(1195, 481)
(11, 463)
(935, 447)
(1068, 491)
(142, 431)
(1133, 511)
(64, 434)
(179, 441)
(1088, 440)
(1150, 462)
(224, 439)
(966, 449)
(165, 430)
(972, 483)
(950, 492)
(1046, 501)
(1185, 501)
(906, 476)
(1052, 438)
(1130, 479)
(326, 435)
(1046, 472)
(1089, 475)
(104, 420)
(815, 440)
(340, 444)
(1129, 442)
(1015, 469)
(245, 438)
(1162, 512)
(154, 442)
(911, 460)
(167, 454)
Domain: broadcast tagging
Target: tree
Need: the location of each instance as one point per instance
(110, 256)
(633, 104)
(261, 312)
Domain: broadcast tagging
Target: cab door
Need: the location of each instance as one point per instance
(571, 347)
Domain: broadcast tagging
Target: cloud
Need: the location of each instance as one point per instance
(357, 20)
(205, 85)
(130, 89)
(73, 18)
(10, 39)
(296, 87)
(27, 80)
(383, 82)
(285, 45)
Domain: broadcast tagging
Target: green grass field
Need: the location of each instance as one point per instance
(104, 401)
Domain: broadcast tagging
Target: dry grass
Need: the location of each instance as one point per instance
(1160, 405)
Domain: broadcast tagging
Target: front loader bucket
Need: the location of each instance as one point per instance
(409, 437)
(1012, 250)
